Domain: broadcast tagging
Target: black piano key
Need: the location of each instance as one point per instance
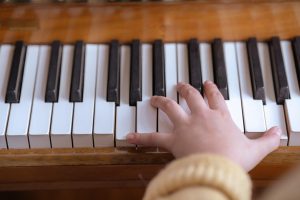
(159, 82)
(255, 71)
(195, 74)
(135, 93)
(53, 80)
(278, 71)
(113, 82)
(14, 86)
(77, 82)
(219, 67)
(296, 51)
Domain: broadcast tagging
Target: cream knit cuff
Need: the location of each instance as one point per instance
(201, 170)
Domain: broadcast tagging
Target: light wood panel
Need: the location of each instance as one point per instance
(179, 21)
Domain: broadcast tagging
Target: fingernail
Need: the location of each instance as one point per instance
(153, 100)
(179, 85)
(208, 82)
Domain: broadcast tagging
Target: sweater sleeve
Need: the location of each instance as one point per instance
(208, 175)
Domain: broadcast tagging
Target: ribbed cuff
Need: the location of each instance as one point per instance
(201, 170)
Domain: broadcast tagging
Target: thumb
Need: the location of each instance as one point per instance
(150, 139)
(268, 142)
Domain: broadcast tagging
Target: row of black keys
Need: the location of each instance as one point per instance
(113, 85)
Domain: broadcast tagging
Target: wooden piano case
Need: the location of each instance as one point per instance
(37, 23)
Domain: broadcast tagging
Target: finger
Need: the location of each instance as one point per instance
(192, 97)
(175, 113)
(267, 142)
(214, 97)
(150, 139)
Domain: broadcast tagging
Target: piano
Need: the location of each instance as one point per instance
(75, 78)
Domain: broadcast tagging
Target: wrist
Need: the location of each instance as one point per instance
(207, 170)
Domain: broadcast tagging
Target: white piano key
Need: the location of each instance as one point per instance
(274, 114)
(146, 113)
(83, 116)
(6, 54)
(183, 72)
(206, 63)
(62, 113)
(19, 116)
(234, 102)
(104, 120)
(41, 111)
(164, 123)
(291, 106)
(125, 119)
(125, 124)
(253, 111)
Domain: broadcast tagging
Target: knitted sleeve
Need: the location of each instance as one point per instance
(211, 174)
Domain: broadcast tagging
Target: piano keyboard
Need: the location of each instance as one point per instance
(92, 95)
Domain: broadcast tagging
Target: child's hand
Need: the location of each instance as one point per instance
(208, 129)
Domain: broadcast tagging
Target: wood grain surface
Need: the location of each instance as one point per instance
(177, 21)
(109, 167)
(101, 22)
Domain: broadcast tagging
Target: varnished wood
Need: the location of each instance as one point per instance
(116, 193)
(81, 156)
(108, 167)
(72, 177)
(284, 156)
(99, 23)
(179, 21)
(136, 1)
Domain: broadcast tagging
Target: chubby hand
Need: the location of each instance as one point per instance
(209, 128)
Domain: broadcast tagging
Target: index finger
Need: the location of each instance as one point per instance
(214, 97)
(192, 96)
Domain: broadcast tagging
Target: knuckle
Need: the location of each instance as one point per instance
(158, 101)
(155, 100)
(168, 104)
(225, 115)
(210, 86)
(189, 92)
(202, 115)
(215, 94)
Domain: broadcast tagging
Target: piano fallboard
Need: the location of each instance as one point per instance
(169, 21)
